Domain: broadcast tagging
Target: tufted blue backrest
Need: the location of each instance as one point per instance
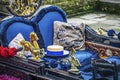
(45, 19)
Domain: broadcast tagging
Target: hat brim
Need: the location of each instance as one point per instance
(65, 53)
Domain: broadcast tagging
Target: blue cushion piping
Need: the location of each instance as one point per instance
(44, 11)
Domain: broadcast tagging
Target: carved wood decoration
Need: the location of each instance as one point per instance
(24, 8)
(103, 50)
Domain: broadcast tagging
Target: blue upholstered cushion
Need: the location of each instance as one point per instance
(45, 19)
(82, 55)
(85, 56)
(11, 27)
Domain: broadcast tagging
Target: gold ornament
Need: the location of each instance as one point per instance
(32, 46)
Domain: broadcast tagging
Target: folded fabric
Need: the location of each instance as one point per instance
(16, 41)
(69, 35)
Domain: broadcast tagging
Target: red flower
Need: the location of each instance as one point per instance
(7, 52)
(12, 52)
(4, 52)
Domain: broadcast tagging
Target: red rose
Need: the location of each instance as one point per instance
(4, 52)
(7, 52)
(12, 52)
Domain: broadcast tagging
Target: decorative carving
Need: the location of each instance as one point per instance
(74, 62)
(33, 47)
(104, 51)
(23, 7)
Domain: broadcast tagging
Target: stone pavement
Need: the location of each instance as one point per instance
(97, 20)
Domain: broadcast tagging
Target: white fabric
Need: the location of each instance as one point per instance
(16, 41)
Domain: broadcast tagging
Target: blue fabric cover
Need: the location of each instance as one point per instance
(83, 56)
(11, 27)
(45, 19)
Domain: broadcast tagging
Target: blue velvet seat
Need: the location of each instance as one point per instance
(45, 19)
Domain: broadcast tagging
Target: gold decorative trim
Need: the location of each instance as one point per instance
(103, 50)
